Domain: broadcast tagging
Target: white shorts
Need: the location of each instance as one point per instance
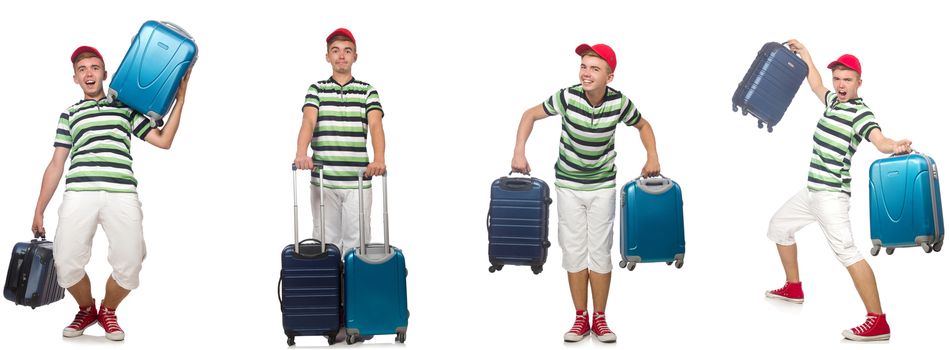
(120, 215)
(829, 209)
(585, 228)
(342, 216)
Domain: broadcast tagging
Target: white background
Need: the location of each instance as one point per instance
(454, 80)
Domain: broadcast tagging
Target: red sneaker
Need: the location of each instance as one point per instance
(791, 292)
(110, 323)
(581, 327)
(875, 328)
(84, 318)
(602, 331)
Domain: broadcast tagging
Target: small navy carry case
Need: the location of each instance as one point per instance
(770, 84)
(517, 223)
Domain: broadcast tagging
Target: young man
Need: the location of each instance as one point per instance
(96, 135)
(586, 178)
(336, 115)
(845, 123)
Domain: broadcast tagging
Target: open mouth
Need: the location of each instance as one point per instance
(90, 83)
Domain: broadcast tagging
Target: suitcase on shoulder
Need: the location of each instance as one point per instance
(149, 75)
(770, 84)
(518, 220)
(310, 282)
(31, 276)
(905, 204)
(651, 223)
(375, 278)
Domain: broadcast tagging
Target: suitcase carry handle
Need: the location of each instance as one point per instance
(385, 212)
(296, 211)
(654, 185)
(178, 29)
(516, 183)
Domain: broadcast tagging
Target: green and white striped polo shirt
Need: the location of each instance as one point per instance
(339, 138)
(838, 134)
(586, 143)
(98, 135)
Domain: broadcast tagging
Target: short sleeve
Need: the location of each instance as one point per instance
(556, 104)
(864, 123)
(372, 101)
(312, 98)
(630, 114)
(63, 135)
(829, 98)
(141, 125)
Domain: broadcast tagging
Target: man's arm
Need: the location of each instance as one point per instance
(519, 163)
(302, 160)
(813, 76)
(378, 135)
(887, 145)
(162, 138)
(649, 143)
(51, 177)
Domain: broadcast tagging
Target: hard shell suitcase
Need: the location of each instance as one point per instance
(518, 220)
(770, 84)
(651, 223)
(31, 276)
(310, 282)
(905, 204)
(375, 275)
(149, 75)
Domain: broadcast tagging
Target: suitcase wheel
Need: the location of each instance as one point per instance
(669, 263)
(875, 250)
(290, 341)
(331, 339)
(622, 264)
(493, 268)
(734, 107)
(679, 263)
(631, 266)
(938, 246)
(537, 269)
(760, 124)
(889, 250)
(400, 337)
(744, 111)
(926, 247)
(770, 129)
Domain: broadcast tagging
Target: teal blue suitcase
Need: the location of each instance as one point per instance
(375, 280)
(149, 75)
(905, 204)
(651, 223)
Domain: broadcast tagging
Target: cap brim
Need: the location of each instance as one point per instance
(583, 48)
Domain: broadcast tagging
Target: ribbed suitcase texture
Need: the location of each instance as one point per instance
(31, 275)
(905, 204)
(518, 220)
(651, 223)
(770, 84)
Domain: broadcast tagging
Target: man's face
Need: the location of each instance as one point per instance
(846, 82)
(89, 73)
(341, 55)
(593, 73)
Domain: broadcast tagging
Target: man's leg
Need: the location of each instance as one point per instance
(72, 248)
(790, 218)
(601, 213)
(571, 234)
(833, 214)
(333, 209)
(350, 216)
(121, 219)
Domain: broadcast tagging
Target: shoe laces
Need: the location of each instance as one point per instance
(580, 325)
(109, 320)
(81, 317)
(599, 324)
(866, 326)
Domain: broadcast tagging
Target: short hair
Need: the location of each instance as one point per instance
(842, 66)
(339, 37)
(590, 52)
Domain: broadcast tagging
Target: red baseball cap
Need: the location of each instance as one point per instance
(848, 60)
(603, 50)
(84, 49)
(341, 31)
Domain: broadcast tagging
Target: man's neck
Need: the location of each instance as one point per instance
(96, 97)
(595, 97)
(342, 78)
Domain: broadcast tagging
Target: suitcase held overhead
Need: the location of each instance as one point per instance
(770, 84)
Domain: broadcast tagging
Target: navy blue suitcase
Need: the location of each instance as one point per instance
(31, 276)
(517, 223)
(651, 223)
(310, 283)
(770, 84)
(905, 204)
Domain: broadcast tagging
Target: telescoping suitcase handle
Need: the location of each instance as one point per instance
(385, 212)
(296, 211)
